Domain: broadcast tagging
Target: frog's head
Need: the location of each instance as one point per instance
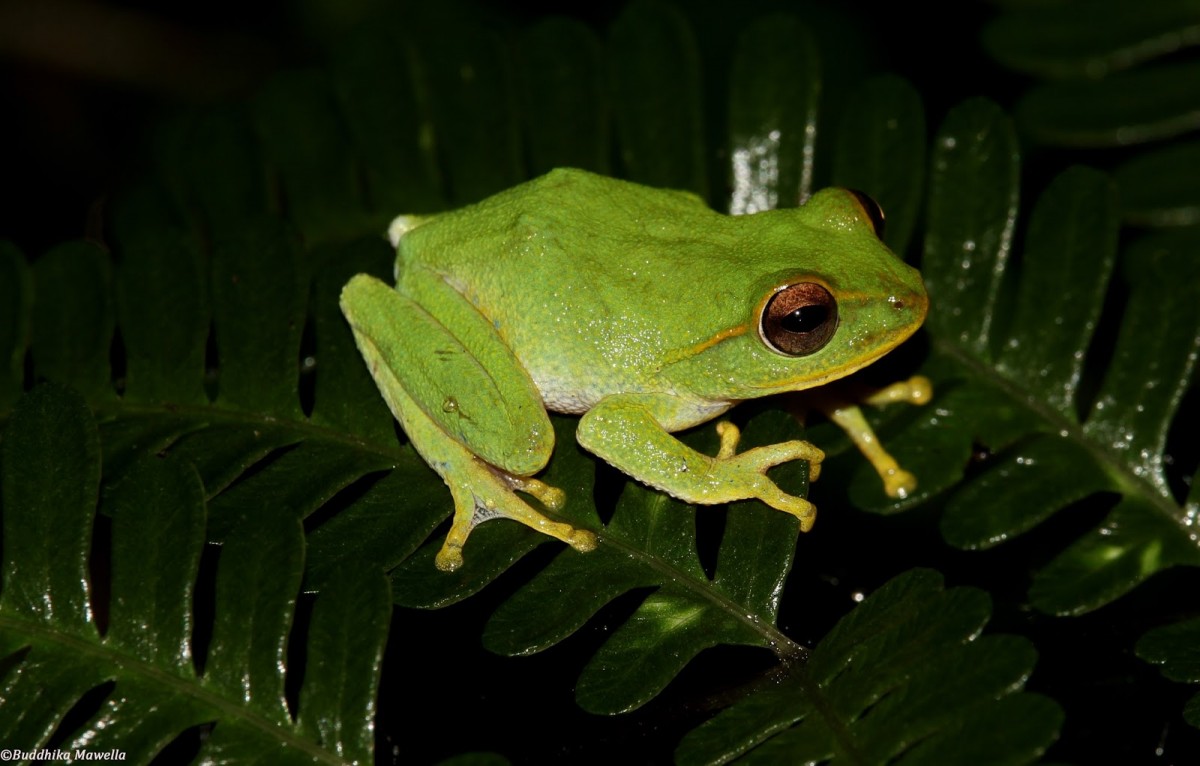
(825, 298)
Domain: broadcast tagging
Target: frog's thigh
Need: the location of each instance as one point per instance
(455, 368)
(480, 491)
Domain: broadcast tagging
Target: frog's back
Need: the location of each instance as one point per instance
(579, 275)
(566, 206)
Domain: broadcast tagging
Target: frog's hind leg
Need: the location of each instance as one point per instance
(897, 482)
(450, 383)
(470, 510)
(482, 492)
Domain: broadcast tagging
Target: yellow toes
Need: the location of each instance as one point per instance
(449, 557)
(551, 497)
(915, 390)
(730, 435)
(899, 483)
(803, 510)
(582, 540)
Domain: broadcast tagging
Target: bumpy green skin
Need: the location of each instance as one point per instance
(637, 306)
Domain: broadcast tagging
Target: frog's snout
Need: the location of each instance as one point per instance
(915, 306)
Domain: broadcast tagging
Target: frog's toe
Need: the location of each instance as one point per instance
(899, 483)
(920, 389)
(450, 557)
(582, 540)
(916, 390)
(763, 458)
(551, 497)
(730, 435)
(802, 509)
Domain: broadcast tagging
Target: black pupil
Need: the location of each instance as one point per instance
(805, 318)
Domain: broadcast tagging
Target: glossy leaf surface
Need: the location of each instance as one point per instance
(1175, 648)
(908, 659)
(141, 665)
(1050, 40)
(1018, 366)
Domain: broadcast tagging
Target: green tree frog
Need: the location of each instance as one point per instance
(640, 309)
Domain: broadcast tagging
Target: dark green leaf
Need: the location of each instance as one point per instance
(1050, 39)
(1154, 357)
(881, 151)
(1177, 649)
(381, 528)
(305, 143)
(469, 82)
(564, 109)
(297, 483)
(256, 591)
(651, 543)
(655, 76)
(1135, 541)
(1070, 248)
(345, 397)
(655, 644)
(54, 656)
(1154, 193)
(1020, 489)
(1012, 730)
(774, 92)
(1026, 408)
(164, 315)
(903, 677)
(223, 167)
(129, 438)
(49, 480)
(222, 452)
(32, 714)
(259, 297)
(73, 318)
(972, 214)
(348, 632)
(476, 759)
(16, 301)
(1127, 108)
(494, 548)
(388, 120)
(158, 536)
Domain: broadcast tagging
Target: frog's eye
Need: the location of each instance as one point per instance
(799, 319)
(870, 209)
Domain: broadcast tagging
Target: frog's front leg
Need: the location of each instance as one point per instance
(626, 431)
(462, 397)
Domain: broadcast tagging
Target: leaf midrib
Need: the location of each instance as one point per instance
(1128, 482)
(780, 645)
(215, 413)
